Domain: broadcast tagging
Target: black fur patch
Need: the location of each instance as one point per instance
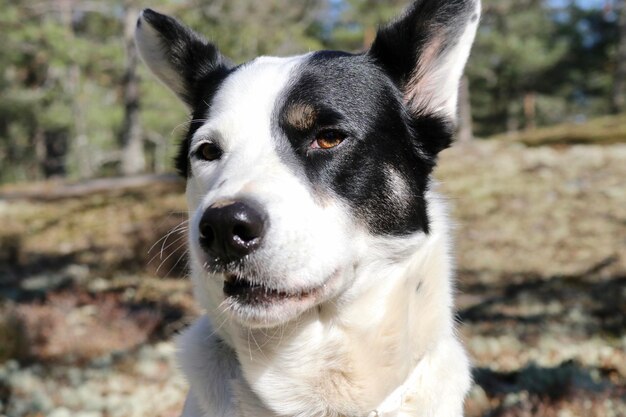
(199, 115)
(352, 94)
(201, 67)
(399, 46)
(382, 168)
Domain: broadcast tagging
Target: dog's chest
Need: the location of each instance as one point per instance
(319, 372)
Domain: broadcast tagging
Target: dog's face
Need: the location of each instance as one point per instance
(296, 166)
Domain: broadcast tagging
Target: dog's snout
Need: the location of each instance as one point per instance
(231, 230)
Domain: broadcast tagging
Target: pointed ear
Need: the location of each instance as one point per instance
(425, 50)
(179, 57)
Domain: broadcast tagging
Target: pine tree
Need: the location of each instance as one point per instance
(619, 82)
(515, 45)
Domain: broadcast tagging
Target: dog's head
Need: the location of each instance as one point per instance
(296, 166)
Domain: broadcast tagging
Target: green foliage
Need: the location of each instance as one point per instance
(49, 69)
(244, 29)
(359, 19)
(515, 46)
(62, 67)
(560, 55)
(585, 73)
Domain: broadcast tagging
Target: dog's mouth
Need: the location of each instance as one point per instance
(254, 303)
(245, 291)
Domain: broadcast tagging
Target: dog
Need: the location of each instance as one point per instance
(319, 247)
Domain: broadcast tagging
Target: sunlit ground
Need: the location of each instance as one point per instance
(86, 329)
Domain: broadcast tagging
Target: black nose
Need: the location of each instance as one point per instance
(232, 230)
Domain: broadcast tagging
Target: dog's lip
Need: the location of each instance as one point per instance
(248, 291)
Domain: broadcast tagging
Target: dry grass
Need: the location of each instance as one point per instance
(73, 326)
(537, 211)
(541, 248)
(541, 243)
(606, 130)
(13, 340)
(106, 232)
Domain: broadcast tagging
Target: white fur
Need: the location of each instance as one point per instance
(151, 50)
(347, 357)
(380, 320)
(435, 86)
(252, 167)
(348, 354)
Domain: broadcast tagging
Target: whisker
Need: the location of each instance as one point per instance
(163, 248)
(160, 254)
(181, 227)
(168, 257)
(258, 347)
(249, 347)
(185, 253)
(217, 329)
(179, 125)
(173, 230)
(188, 122)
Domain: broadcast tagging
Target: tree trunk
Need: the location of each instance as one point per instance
(79, 142)
(512, 118)
(115, 186)
(619, 82)
(39, 142)
(131, 138)
(465, 133)
(55, 142)
(530, 110)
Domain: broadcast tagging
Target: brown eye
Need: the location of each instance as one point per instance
(327, 139)
(209, 152)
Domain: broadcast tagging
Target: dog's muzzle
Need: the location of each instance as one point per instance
(230, 230)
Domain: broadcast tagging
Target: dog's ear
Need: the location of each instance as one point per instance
(425, 50)
(183, 60)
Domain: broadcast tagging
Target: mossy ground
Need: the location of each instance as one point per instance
(605, 130)
(541, 249)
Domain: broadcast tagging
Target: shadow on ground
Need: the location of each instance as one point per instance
(544, 346)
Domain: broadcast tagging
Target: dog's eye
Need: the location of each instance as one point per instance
(327, 139)
(209, 152)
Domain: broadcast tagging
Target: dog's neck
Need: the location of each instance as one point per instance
(346, 358)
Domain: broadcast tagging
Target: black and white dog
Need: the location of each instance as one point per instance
(319, 249)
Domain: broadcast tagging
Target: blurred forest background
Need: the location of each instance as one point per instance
(91, 294)
(76, 102)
